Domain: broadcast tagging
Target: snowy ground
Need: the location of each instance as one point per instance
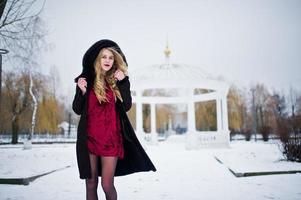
(182, 174)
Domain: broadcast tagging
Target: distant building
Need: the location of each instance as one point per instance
(68, 130)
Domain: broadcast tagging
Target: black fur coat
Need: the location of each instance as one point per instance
(135, 158)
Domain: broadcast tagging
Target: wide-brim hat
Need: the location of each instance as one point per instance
(91, 54)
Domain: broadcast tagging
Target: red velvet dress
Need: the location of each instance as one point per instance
(103, 127)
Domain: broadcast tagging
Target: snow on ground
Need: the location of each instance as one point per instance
(19, 163)
(255, 157)
(182, 174)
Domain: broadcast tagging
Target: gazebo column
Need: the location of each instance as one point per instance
(225, 114)
(191, 111)
(192, 141)
(219, 117)
(191, 117)
(139, 112)
(225, 131)
(154, 136)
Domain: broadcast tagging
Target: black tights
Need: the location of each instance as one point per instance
(108, 165)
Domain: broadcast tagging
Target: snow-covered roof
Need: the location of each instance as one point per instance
(173, 76)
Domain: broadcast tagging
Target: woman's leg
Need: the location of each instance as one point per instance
(107, 177)
(92, 183)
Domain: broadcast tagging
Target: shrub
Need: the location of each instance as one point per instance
(265, 131)
(291, 149)
(283, 130)
(247, 133)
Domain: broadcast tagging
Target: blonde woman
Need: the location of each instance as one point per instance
(106, 142)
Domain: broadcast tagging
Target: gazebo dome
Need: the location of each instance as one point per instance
(174, 76)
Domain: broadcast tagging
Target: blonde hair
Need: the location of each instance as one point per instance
(101, 75)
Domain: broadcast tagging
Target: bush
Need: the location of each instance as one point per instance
(247, 133)
(283, 130)
(291, 149)
(265, 131)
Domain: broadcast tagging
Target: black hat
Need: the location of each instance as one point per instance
(91, 54)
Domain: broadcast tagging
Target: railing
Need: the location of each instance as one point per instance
(39, 138)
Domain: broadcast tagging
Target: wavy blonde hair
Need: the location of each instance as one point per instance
(101, 75)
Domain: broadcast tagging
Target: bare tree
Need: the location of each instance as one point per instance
(298, 109)
(17, 20)
(19, 104)
(16, 87)
(237, 109)
(2, 6)
(35, 107)
(262, 109)
(292, 100)
(20, 27)
(22, 32)
(293, 104)
(280, 127)
(54, 80)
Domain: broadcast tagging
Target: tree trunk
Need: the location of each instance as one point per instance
(15, 129)
(2, 6)
(35, 107)
(261, 120)
(0, 80)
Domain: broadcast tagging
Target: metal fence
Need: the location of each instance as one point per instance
(40, 138)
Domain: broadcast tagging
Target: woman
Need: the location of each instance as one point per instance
(106, 142)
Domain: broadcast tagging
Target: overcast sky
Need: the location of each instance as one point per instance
(244, 41)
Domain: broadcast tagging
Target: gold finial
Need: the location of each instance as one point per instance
(167, 51)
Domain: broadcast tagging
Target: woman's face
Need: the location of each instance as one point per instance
(107, 60)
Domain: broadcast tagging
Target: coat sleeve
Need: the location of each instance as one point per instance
(78, 101)
(124, 88)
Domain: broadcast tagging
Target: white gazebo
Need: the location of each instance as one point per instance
(183, 81)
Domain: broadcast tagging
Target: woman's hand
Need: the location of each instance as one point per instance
(82, 84)
(119, 75)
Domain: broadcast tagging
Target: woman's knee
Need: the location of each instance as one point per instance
(92, 183)
(107, 185)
